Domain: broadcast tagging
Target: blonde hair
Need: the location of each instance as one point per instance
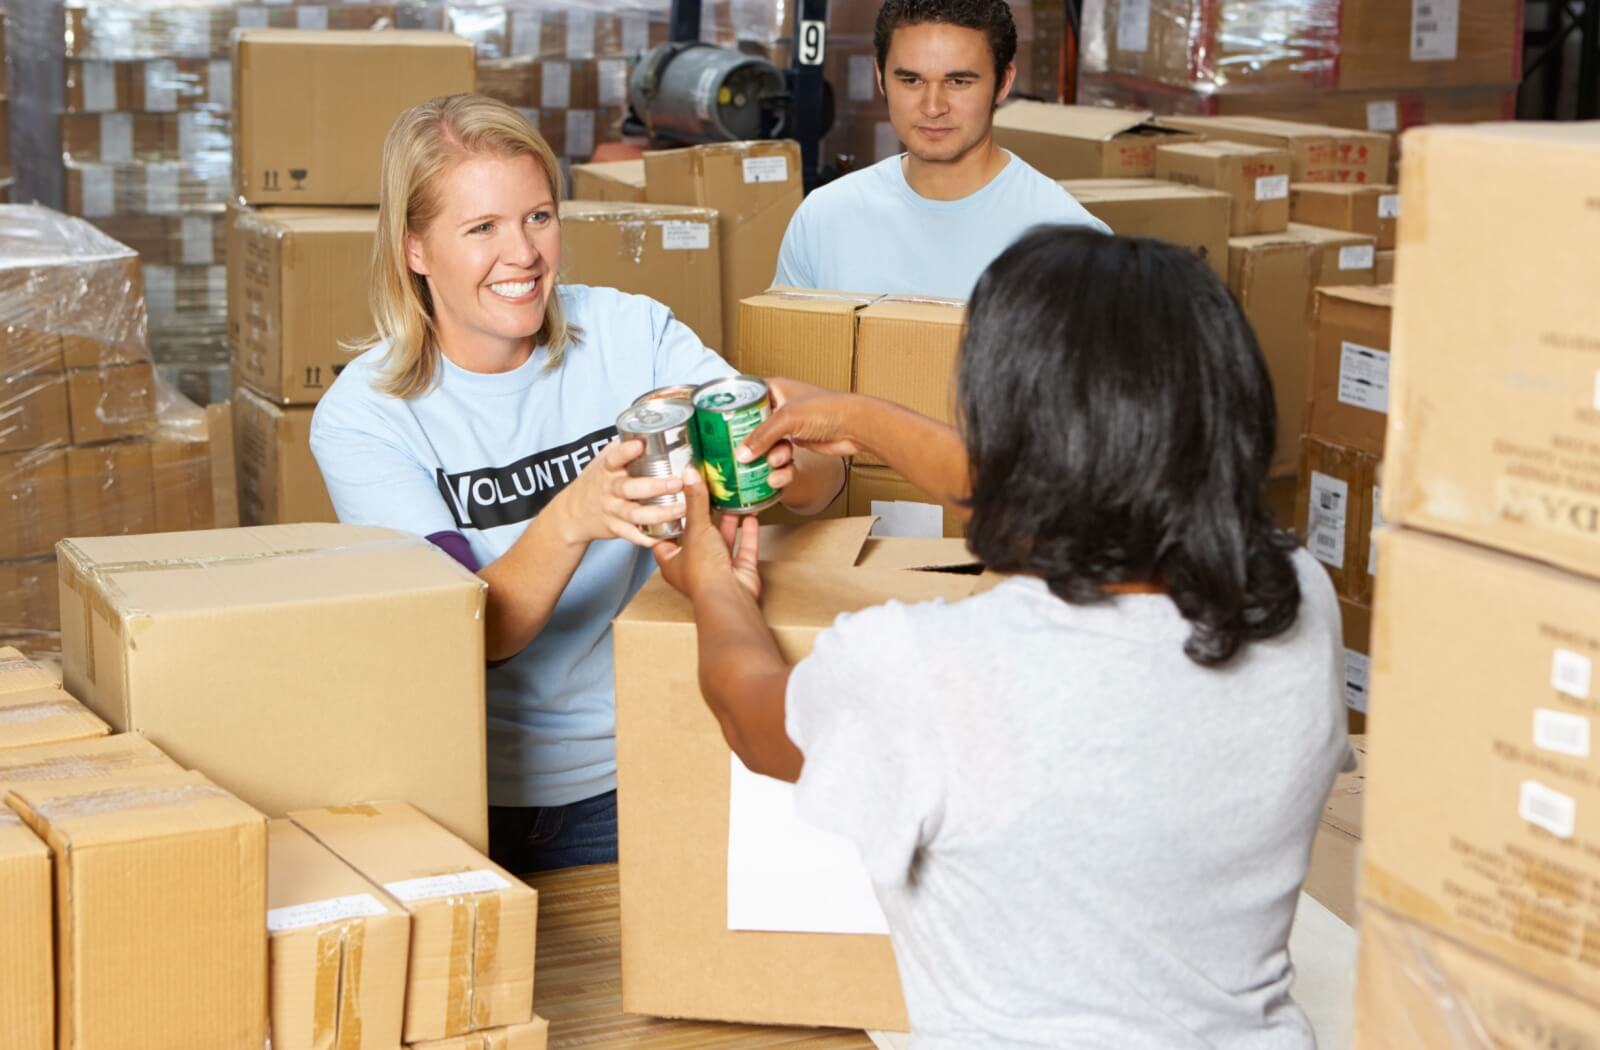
(424, 144)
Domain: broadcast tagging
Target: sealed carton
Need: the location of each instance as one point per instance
(47, 715)
(907, 351)
(472, 922)
(119, 755)
(669, 252)
(33, 491)
(1384, 273)
(535, 1035)
(337, 948)
(801, 334)
(18, 674)
(1372, 210)
(279, 480)
(755, 188)
(1335, 514)
(355, 659)
(1255, 178)
(1356, 619)
(1084, 142)
(618, 180)
(310, 110)
(1318, 152)
(1383, 44)
(1336, 849)
(29, 601)
(112, 402)
(33, 411)
(1348, 401)
(161, 932)
(111, 489)
(1271, 275)
(1342, 257)
(27, 995)
(902, 509)
(1191, 216)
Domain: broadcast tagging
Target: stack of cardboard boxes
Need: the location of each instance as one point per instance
(1482, 823)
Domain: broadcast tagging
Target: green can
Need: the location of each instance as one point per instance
(725, 412)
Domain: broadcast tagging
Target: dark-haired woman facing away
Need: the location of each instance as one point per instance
(1087, 796)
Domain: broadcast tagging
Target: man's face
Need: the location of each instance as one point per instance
(940, 84)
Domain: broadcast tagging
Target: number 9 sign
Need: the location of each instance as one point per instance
(813, 39)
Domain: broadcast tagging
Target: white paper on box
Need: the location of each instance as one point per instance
(277, 3)
(613, 76)
(311, 17)
(251, 18)
(635, 33)
(1363, 376)
(766, 169)
(161, 86)
(885, 140)
(219, 83)
(525, 33)
(335, 909)
(555, 85)
(863, 78)
(1133, 26)
(1389, 206)
(99, 191)
(1357, 671)
(1330, 505)
(1377, 523)
(908, 519)
(580, 32)
(580, 133)
(1561, 732)
(785, 875)
(116, 137)
(1547, 808)
(1570, 673)
(1435, 28)
(199, 241)
(1383, 116)
(161, 290)
(1272, 187)
(161, 189)
(434, 886)
(685, 236)
(99, 86)
(1357, 257)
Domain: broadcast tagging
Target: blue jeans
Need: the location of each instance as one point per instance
(542, 838)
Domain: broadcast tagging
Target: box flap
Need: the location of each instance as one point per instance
(630, 172)
(301, 870)
(837, 541)
(811, 299)
(18, 673)
(75, 759)
(920, 311)
(1099, 190)
(1343, 189)
(899, 552)
(1220, 148)
(361, 221)
(85, 813)
(1325, 236)
(1081, 122)
(1380, 295)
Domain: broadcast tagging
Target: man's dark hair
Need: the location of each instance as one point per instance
(1120, 421)
(990, 17)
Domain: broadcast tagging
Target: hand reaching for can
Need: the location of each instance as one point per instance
(709, 550)
(604, 502)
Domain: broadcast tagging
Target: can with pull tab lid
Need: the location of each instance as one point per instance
(665, 425)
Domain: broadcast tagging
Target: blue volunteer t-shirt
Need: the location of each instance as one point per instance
(481, 455)
(871, 232)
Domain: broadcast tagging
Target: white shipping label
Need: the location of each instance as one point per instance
(116, 137)
(335, 909)
(191, 135)
(311, 17)
(219, 83)
(1272, 187)
(1435, 28)
(1548, 809)
(99, 86)
(161, 189)
(1357, 257)
(199, 241)
(525, 33)
(1330, 507)
(161, 86)
(766, 169)
(685, 236)
(886, 143)
(99, 191)
(1560, 732)
(555, 85)
(1377, 523)
(1133, 26)
(1383, 116)
(161, 290)
(1570, 673)
(580, 33)
(580, 133)
(613, 74)
(635, 33)
(251, 18)
(1389, 206)
(1357, 669)
(863, 78)
(1363, 376)
(434, 886)
(906, 518)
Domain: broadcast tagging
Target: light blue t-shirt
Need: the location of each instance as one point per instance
(481, 455)
(871, 232)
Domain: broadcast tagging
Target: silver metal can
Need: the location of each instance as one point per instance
(666, 426)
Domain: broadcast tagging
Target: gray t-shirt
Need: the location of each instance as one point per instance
(1080, 838)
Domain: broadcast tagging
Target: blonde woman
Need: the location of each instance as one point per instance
(481, 416)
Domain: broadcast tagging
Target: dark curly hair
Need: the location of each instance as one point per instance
(1121, 423)
(990, 17)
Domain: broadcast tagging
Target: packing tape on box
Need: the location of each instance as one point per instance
(25, 713)
(474, 953)
(75, 767)
(120, 799)
(336, 1007)
(826, 297)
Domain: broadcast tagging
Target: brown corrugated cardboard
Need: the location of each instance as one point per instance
(755, 188)
(618, 180)
(669, 252)
(907, 351)
(1336, 850)
(109, 403)
(472, 922)
(18, 674)
(535, 1035)
(1320, 153)
(337, 949)
(1384, 44)
(1373, 210)
(1083, 142)
(161, 932)
(33, 491)
(111, 489)
(27, 995)
(33, 411)
(224, 480)
(1342, 257)
(1483, 811)
(1384, 272)
(121, 755)
(1334, 513)
(871, 486)
(45, 716)
(1348, 400)
(1356, 620)
(800, 334)
(28, 596)
(185, 492)
(279, 480)
(1271, 275)
(302, 296)
(1492, 411)
(1191, 216)
(673, 796)
(1256, 178)
(355, 659)
(310, 110)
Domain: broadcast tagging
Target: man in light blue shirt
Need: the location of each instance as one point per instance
(928, 221)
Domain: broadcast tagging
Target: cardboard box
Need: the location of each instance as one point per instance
(161, 933)
(801, 334)
(902, 509)
(27, 995)
(111, 489)
(310, 110)
(1384, 271)
(1084, 142)
(45, 716)
(1319, 153)
(33, 411)
(123, 755)
(1383, 44)
(304, 280)
(1342, 257)
(1348, 401)
(907, 351)
(618, 180)
(337, 948)
(26, 350)
(110, 403)
(1271, 275)
(472, 922)
(1256, 179)
(355, 659)
(1191, 216)
(1492, 409)
(33, 495)
(673, 796)
(19, 674)
(28, 596)
(1483, 811)
(1336, 849)
(535, 1035)
(1356, 619)
(1335, 514)
(1373, 210)
(279, 480)
(755, 188)
(669, 252)
(185, 490)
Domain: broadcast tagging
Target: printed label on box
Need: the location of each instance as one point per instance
(199, 241)
(1389, 206)
(1357, 669)
(99, 191)
(116, 137)
(1548, 809)
(525, 33)
(1330, 506)
(863, 78)
(1133, 26)
(1383, 116)
(161, 86)
(580, 32)
(251, 18)
(1435, 28)
(1560, 732)
(555, 85)
(766, 169)
(1570, 673)
(613, 76)
(1272, 187)
(580, 133)
(434, 886)
(335, 909)
(685, 236)
(1357, 257)
(311, 17)
(161, 189)
(99, 86)
(1363, 376)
